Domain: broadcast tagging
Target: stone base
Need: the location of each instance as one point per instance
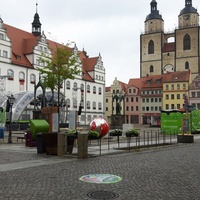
(185, 138)
(117, 121)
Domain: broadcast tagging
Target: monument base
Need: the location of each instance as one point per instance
(188, 138)
(117, 121)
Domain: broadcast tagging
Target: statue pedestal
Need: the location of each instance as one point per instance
(117, 121)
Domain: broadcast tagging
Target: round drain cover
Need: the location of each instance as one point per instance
(102, 194)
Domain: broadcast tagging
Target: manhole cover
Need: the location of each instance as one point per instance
(102, 194)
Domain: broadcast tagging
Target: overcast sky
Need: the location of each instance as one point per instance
(109, 27)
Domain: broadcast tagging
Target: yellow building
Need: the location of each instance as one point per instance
(175, 87)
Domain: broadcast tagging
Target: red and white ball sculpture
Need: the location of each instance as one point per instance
(100, 125)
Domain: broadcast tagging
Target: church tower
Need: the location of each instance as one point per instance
(178, 50)
(151, 43)
(187, 40)
(36, 25)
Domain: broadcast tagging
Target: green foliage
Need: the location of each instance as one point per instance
(62, 66)
(132, 131)
(116, 131)
(72, 132)
(94, 133)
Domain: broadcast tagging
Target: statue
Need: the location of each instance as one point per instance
(118, 97)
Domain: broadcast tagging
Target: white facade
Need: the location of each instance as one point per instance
(90, 93)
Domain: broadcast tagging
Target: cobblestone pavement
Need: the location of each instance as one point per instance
(154, 174)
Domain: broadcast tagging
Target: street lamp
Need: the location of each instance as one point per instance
(10, 102)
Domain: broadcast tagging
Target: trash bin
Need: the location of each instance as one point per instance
(29, 142)
(2, 130)
(38, 126)
(40, 143)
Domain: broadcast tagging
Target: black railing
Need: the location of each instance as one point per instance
(145, 139)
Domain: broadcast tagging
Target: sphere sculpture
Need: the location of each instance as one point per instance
(100, 125)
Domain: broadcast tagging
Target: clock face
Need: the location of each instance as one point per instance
(186, 17)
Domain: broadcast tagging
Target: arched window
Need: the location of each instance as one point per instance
(94, 90)
(68, 103)
(75, 86)
(68, 85)
(151, 47)
(10, 73)
(88, 105)
(74, 103)
(151, 68)
(94, 105)
(100, 90)
(186, 42)
(88, 88)
(32, 78)
(187, 65)
(99, 106)
(82, 87)
(21, 76)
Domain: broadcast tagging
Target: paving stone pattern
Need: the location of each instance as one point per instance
(154, 174)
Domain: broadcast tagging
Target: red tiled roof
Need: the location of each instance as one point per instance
(123, 85)
(153, 81)
(19, 39)
(137, 82)
(89, 63)
(168, 47)
(24, 42)
(178, 76)
(107, 89)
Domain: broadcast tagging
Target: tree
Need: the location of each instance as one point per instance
(57, 68)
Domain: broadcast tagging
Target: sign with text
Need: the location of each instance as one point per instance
(49, 109)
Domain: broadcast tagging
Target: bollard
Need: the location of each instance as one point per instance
(61, 144)
(83, 145)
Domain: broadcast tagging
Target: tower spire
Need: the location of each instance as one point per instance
(36, 25)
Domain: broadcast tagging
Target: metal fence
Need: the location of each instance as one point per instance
(117, 144)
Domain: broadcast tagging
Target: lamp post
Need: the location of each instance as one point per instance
(10, 101)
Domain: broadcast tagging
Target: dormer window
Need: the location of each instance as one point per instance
(158, 81)
(18, 57)
(148, 82)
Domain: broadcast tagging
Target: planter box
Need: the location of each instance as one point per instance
(50, 143)
(70, 143)
(115, 134)
(131, 135)
(185, 138)
(91, 137)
